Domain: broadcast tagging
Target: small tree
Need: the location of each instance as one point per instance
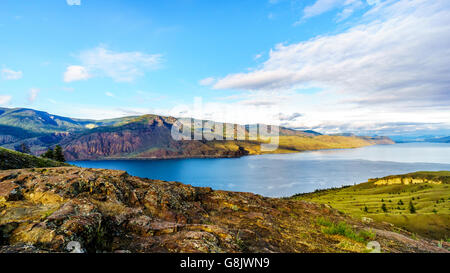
(412, 209)
(366, 209)
(49, 154)
(58, 154)
(384, 208)
(23, 148)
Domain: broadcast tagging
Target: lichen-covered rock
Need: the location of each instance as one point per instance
(74, 209)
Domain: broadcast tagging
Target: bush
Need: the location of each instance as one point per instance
(56, 154)
(324, 222)
(48, 154)
(24, 148)
(345, 230)
(412, 209)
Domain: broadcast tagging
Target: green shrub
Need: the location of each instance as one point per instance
(345, 230)
(412, 209)
(324, 222)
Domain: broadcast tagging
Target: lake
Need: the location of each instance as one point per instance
(278, 175)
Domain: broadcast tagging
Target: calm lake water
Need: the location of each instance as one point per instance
(288, 174)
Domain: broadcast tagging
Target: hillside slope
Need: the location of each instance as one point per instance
(15, 160)
(147, 136)
(105, 210)
(429, 193)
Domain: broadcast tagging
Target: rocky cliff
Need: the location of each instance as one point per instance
(145, 137)
(414, 178)
(86, 210)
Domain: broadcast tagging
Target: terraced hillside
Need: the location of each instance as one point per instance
(418, 202)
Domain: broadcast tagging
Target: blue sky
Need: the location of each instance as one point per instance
(331, 65)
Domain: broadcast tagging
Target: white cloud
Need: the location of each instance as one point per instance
(207, 81)
(5, 99)
(323, 6)
(373, 2)
(9, 74)
(394, 60)
(32, 95)
(120, 66)
(378, 77)
(109, 94)
(76, 73)
(73, 2)
(289, 117)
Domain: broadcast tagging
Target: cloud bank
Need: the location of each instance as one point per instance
(402, 58)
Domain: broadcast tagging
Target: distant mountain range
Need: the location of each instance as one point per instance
(422, 138)
(147, 136)
(439, 139)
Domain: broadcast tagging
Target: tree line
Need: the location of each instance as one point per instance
(56, 154)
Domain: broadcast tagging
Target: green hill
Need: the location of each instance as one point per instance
(428, 192)
(15, 160)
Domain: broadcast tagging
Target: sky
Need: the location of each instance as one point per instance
(360, 66)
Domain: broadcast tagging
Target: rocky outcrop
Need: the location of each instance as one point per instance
(404, 181)
(414, 178)
(87, 210)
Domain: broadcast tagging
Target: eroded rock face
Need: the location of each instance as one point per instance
(404, 181)
(74, 209)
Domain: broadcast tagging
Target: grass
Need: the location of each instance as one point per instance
(345, 230)
(431, 202)
(10, 159)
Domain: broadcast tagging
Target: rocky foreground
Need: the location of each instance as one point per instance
(90, 210)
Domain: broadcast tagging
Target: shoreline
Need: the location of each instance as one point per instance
(215, 157)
